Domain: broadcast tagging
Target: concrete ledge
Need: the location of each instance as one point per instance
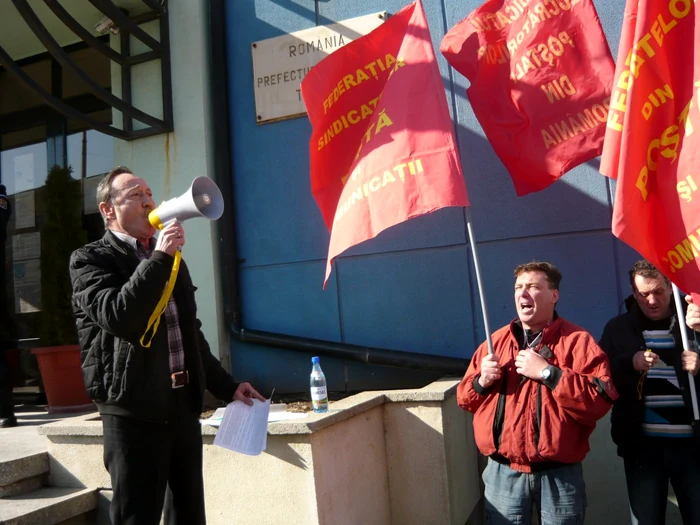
(85, 425)
(407, 455)
(47, 506)
(436, 391)
(89, 425)
(15, 470)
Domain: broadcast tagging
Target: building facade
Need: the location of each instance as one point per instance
(399, 310)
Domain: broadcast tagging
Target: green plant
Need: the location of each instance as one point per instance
(61, 234)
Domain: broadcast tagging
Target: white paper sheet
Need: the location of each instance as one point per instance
(215, 419)
(282, 415)
(278, 412)
(244, 428)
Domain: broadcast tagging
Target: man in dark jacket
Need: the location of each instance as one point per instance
(5, 213)
(652, 420)
(149, 396)
(7, 339)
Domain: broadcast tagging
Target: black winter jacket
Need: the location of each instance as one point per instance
(114, 294)
(622, 338)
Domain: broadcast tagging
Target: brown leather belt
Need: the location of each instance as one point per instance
(180, 379)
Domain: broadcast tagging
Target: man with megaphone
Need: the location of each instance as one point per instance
(148, 378)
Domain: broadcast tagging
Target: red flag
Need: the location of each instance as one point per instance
(382, 148)
(540, 75)
(652, 142)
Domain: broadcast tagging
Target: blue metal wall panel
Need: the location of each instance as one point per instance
(277, 218)
(289, 299)
(444, 227)
(363, 377)
(588, 293)
(413, 287)
(434, 12)
(288, 371)
(283, 370)
(626, 257)
(416, 301)
(610, 13)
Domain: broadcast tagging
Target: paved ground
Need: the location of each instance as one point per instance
(24, 440)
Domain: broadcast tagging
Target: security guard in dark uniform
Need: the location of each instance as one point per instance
(7, 413)
(5, 212)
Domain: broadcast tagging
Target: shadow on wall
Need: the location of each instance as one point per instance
(283, 451)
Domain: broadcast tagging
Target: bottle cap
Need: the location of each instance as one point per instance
(314, 360)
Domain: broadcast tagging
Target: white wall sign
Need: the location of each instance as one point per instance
(281, 63)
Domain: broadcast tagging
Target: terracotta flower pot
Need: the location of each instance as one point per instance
(13, 358)
(63, 379)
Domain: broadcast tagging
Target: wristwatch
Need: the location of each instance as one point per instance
(544, 375)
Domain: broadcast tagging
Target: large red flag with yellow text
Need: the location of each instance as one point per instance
(652, 143)
(540, 74)
(383, 147)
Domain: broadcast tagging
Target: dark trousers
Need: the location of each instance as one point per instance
(648, 476)
(7, 408)
(143, 458)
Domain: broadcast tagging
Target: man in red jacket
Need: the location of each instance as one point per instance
(535, 402)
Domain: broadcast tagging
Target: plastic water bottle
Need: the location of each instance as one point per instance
(319, 392)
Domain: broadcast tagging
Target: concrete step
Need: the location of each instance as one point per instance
(48, 506)
(23, 486)
(23, 474)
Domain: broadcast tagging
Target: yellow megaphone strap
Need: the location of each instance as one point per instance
(154, 320)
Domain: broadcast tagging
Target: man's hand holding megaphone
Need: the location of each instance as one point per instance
(203, 199)
(171, 238)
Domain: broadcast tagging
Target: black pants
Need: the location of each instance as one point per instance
(143, 458)
(647, 482)
(7, 408)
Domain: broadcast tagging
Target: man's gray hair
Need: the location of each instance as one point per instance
(104, 188)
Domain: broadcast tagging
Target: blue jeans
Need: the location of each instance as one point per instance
(558, 494)
(647, 483)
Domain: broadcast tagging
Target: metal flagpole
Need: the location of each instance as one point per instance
(686, 346)
(479, 282)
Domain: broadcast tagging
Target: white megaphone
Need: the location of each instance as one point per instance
(203, 199)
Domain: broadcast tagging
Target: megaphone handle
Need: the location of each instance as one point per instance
(154, 320)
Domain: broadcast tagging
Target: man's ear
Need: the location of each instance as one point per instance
(555, 296)
(107, 211)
